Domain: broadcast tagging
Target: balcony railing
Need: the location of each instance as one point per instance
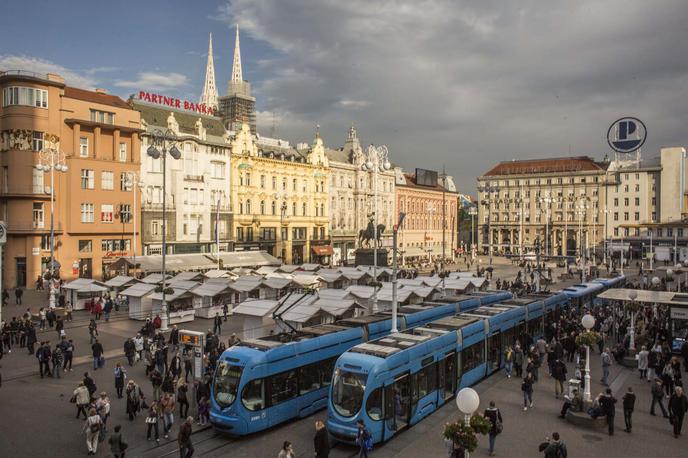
(157, 206)
(193, 178)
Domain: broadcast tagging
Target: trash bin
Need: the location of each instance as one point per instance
(574, 384)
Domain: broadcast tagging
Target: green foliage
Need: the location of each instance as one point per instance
(588, 338)
(632, 306)
(168, 290)
(464, 436)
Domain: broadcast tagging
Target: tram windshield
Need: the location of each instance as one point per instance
(347, 392)
(226, 383)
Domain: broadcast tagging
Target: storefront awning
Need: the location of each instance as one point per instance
(323, 250)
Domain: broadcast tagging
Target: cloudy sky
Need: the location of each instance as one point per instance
(458, 83)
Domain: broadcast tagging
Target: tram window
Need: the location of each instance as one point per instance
(326, 368)
(227, 378)
(374, 405)
(309, 378)
(282, 387)
(253, 396)
(472, 356)
(425, 380)
(347, 392)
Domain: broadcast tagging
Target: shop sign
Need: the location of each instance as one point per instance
(679, 313)
(173, 102)
(36, 251)
(115, 254)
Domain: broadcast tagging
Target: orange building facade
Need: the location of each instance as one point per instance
(96, 136)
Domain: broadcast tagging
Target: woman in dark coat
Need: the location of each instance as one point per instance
(120, 375)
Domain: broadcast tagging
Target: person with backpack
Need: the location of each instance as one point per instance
(493, 414)
(554, 448)
(92, 427)
(364, 440)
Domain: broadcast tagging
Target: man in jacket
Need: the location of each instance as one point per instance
(628, 404)
(658, 397)
(130, 351)
(321, 442)
(90, 384)
(174, 338)
(607, 405)
(98, 351)
(493, 414)
(555, 448)
(156, 381)
(678, 405)
(186, 449)
(559, 374)
(606, 363)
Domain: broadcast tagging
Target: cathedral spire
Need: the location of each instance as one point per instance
(236, 67)
(209, 96)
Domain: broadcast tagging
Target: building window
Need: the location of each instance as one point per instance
(248, 178)
(249, 234)
(88, 179)
(123, 152)
(616, 216)
(37, 143)
(679, 232)
(240, 234)
(305, 209)
(626, 232)
(616, 232)
(625, 188)
(616, 201)
(217, 169)
(274, 207)
(625, 216)
(284, 233)
(155, 228)
(262, 182)
(654, 216)
(637, 216)
(106, 213)
(262, 207)
(38, 215)
(107, 181)
(293, 209)
(248, 207)
(125, 215)
(87, 213)
(654, 201)
(124, 183)
(637, 232)
(85, 246)
(26, 96)
(294, 185)
(38, 186)
(637, 188)
(625, 201)
(103, 117)
(115, 245)
(274, 182)
(670, 232)
(83, 147)
(322, 209)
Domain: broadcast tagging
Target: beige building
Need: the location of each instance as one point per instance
(352, 195)
(96, 135)
(280, 197)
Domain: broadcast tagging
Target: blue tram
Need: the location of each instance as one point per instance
(263, 382)
(394, 382)
(584, 294)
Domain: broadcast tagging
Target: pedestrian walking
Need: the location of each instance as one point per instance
(658, 397)
(559, 374)
(678, 405)
(92, 330)
(606, 363)
(18, 294)
(92, 427)
(287, 451)
(321, 441)
(363, 440)
(668, 378)
(58, 361)
(82, 399)
(103, 408)
(118, 446)
(68, 355)
(130, 351)
(59, 326)
(138, 346)
(152, 421)
(608, 408)
(628, 401)
(518, 360)
(98, 358)
(134, 399)
(493, 414)
(508, 361)
(527, 388)
(643, 362)
(120, 376)
(217, 325)
(68, 311)
(554, 448)
(186, 449)
(167, 406)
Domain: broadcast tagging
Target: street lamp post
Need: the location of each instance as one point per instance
(582, 208)
(606, 212)
(472, 211)
(632, 295)
(133, 180)
(468, 402)
(376, 162)
(547, 200)
(167, 141)
(489, 189)
(52, 160)
(588, 322)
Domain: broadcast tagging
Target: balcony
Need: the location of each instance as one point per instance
(34, 227)
(222, 208)
(197, 178)
(156, 206)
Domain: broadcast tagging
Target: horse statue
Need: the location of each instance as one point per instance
(368, 234)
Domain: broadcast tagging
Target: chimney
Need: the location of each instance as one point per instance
(100, 90)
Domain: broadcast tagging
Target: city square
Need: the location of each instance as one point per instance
(343, 229)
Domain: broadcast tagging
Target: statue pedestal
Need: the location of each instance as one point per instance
(366, 257)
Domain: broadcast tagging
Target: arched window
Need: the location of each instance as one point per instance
(274, 207)
(241, 208)
(322, 209)
(293, 209)
(305, 209)
(262, 207)
(248, 207)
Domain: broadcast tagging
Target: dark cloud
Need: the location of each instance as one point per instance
(469, 83)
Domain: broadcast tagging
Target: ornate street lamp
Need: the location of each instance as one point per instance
(167, 142)
(133, 180)
(52, 160)
(588, 321)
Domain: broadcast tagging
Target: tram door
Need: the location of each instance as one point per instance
(447, 375)
(398, 404)
(494, 352)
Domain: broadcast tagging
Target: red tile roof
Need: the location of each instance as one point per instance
(95, 97)
(411, 183)
(553, 165)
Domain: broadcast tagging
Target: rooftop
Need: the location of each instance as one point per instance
(551, 165)
(95, 97)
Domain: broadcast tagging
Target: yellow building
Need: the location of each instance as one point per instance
(280, 197)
